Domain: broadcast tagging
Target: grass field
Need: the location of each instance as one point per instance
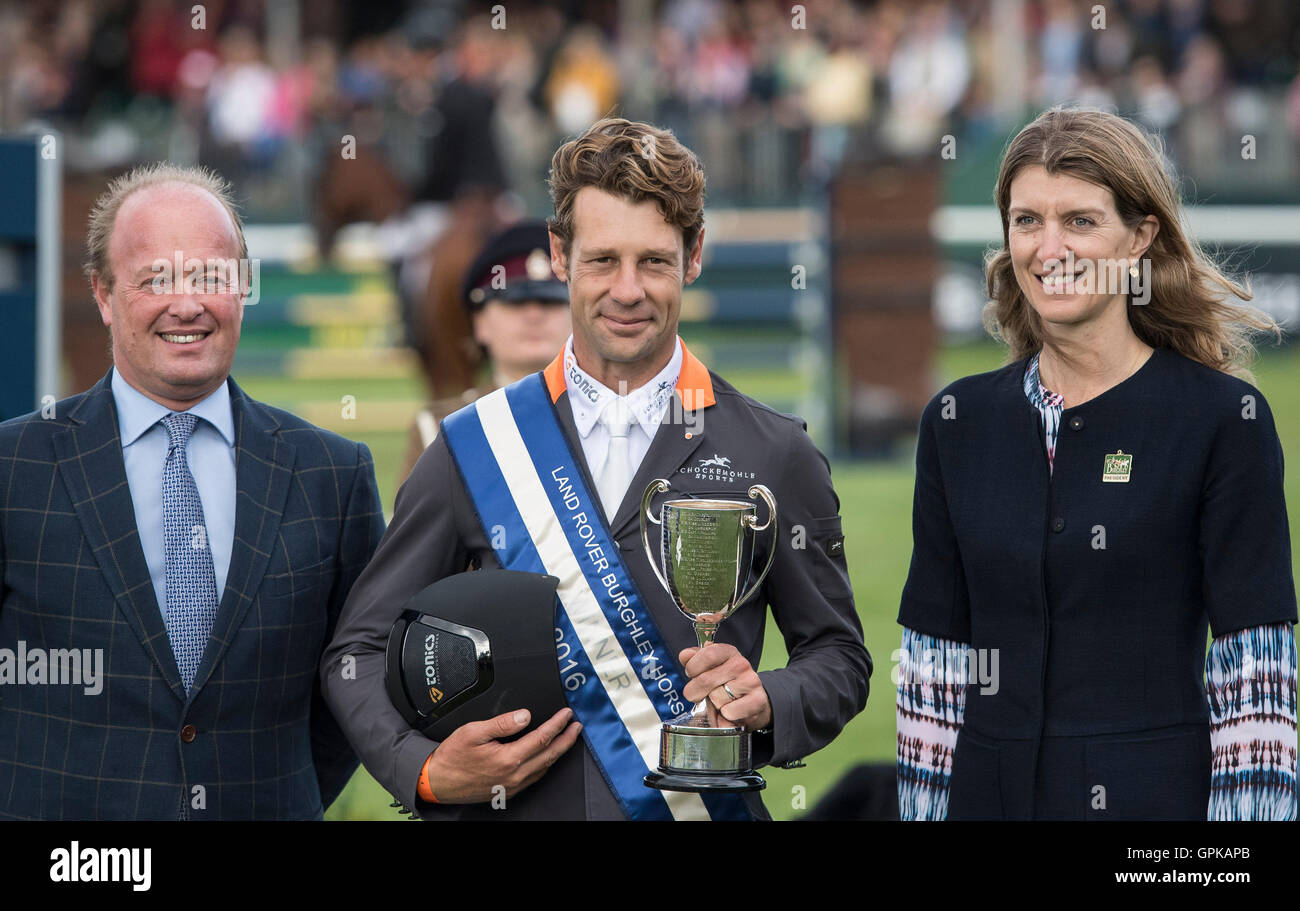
(875, 501)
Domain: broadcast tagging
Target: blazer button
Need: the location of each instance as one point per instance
(188, 733)
(1076, 423)
(1058, 524)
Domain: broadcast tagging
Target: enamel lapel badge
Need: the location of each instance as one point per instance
(1117, 466)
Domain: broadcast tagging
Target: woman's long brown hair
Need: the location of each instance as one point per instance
(1190, 309)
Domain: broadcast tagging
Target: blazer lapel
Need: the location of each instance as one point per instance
(263, 471)
(89, 453)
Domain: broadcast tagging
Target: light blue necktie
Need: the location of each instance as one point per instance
(187, 559)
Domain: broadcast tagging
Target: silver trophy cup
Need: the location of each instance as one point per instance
(704, 561)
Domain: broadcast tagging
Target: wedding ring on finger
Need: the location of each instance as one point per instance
(727, 689)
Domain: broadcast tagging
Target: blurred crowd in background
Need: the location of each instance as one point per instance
(773, 95)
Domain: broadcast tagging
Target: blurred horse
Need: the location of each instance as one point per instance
(437, 326)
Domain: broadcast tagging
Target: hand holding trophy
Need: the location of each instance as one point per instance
(703, 562)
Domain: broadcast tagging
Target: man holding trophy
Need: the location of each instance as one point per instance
(649, 488)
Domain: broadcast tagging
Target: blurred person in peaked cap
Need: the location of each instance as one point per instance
(519, 314)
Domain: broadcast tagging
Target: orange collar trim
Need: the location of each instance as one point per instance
(694, 385)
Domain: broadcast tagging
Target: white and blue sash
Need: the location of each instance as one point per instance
(620, 680)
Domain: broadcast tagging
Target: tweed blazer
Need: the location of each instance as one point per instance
(253, 737)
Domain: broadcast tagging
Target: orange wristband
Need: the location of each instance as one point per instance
(423, 789)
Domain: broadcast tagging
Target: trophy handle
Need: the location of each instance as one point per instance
(657, 486)
(751, 522)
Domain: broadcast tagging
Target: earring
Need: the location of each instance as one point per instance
(1133, 270)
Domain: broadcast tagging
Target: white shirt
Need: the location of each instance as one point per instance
(648, 403)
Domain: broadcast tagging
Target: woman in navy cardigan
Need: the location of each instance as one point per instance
(1082, 515)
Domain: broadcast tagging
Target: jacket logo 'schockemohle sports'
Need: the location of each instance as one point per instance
(717, 468)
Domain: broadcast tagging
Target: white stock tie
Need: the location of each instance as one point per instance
(613, 480)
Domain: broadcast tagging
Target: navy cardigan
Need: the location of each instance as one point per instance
(1095, 594)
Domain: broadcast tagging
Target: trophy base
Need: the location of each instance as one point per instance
(704, 760)
(702, 783)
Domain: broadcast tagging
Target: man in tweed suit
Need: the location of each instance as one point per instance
(194, 545)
